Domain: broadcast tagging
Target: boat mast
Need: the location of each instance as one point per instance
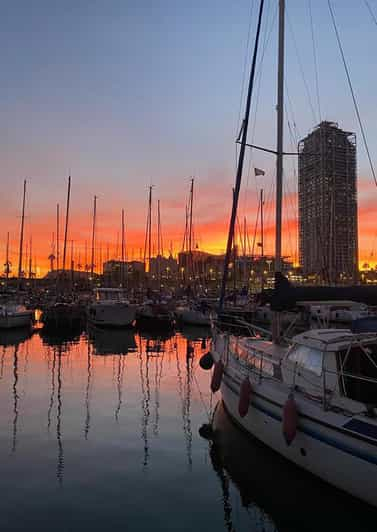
(7, 263)
(191, 262)
(150, 228)
(66, 222)
(159, 244)
(279, 161)
(72, 266)
(93, 236)
(21, 236)
(262, 237)
(30, 258)
(57, 238)
(123, 257)
(241, 158)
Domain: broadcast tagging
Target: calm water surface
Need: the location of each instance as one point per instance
(100, 432)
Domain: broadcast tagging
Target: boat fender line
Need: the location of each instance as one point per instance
(206, 361)
(245, 396)
(290, 419)
(217, 376)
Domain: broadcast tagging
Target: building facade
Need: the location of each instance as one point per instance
(327, 200)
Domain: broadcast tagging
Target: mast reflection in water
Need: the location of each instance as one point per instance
(99, 430)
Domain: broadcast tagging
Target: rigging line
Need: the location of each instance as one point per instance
(352, 91)
(244, 76)
(255, 105)
(245, 64)
(315, 60)
(253, 118)
(289, 122)
(301, 67)
(371, 11)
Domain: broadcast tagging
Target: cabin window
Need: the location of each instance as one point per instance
(307, 358)
(357, 364)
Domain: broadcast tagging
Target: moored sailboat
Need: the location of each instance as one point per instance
(313, 401)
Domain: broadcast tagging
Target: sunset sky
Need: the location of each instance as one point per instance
(124, 94)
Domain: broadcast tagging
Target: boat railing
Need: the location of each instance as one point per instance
(239, 327)
(340, 376)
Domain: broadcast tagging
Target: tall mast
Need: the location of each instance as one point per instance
(93, 236)
(262, 237)
(21, 235)
(279, 160)
(159, 244)
(7, 263)
(190, 227)
(159, 235)
(150, 228)
(241, 158)
(72, 265)
(66, 221)
(57, 238)
(30, 258)
(123, 257)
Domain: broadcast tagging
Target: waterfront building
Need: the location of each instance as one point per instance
(327, 202)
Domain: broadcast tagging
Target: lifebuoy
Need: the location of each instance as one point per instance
(245, 396)
(217, 376)
(290, 419)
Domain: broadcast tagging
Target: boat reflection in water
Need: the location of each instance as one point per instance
(195, 333)
(111, 341)
(14, 337)
(277, 491)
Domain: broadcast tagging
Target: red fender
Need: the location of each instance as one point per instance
(245, 396)
(217, 376)
(290, 420)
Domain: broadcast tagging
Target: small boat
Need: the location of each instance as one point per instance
(336, 311)
(63, 315)
(154, 316)
(111, 309)
(13, 315)
(194, 313)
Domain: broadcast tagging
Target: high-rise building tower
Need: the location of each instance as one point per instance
(327, 201)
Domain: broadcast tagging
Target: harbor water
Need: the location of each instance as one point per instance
(99, 430)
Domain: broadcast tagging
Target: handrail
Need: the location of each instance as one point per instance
(237, 323)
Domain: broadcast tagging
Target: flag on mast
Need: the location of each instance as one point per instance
(258, 171)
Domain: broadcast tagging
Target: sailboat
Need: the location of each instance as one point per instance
(312, 401)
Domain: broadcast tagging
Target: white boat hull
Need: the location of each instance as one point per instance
(345, 461)
(113, 315)
(193, 317)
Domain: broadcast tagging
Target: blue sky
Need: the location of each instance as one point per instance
(127, 93)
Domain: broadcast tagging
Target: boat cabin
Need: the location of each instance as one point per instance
(334, 311)
(109, 294)
(335, 361)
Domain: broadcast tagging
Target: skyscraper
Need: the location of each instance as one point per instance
(327, 201)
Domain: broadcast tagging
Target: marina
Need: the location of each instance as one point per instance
(188, 323)
(89, 426)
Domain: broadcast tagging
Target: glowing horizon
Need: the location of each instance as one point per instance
(125, 95)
